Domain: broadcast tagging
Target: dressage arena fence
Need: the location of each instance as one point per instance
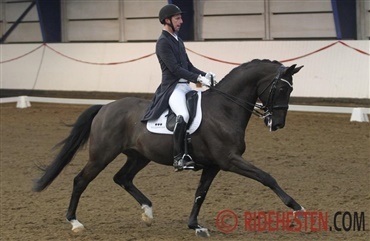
(358, 114)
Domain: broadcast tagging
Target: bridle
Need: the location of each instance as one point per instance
(269, 106)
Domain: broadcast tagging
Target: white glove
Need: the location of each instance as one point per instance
(209, 75)
(204, 81)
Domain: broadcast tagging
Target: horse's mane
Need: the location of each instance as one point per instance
(257, 61)
(249, 64)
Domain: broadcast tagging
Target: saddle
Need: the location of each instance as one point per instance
(166, 122)
(191, 103)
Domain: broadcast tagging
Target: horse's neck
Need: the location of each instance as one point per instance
(242, 86)
(239, 99)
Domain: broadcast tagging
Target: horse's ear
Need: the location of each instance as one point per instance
(289, 70)
(293, 70)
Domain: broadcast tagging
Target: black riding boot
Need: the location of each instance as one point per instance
(181, 159)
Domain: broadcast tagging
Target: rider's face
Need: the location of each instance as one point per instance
(177, 21)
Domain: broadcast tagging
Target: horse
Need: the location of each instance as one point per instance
(218, 143)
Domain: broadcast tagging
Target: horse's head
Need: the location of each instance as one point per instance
(275, 95)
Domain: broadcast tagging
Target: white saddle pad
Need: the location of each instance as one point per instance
(159, 125)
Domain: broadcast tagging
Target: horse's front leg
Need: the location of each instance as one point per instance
(208, 174)
(238, 165)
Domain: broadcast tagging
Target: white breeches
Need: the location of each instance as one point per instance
(177, 100)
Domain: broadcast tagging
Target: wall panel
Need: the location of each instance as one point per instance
(140, 20)
(94, 30)
(294, 26)
(142, 29)
(216, 7)
(142, 8)
(289, 6)
(25, 32)
(14, 10)
(243, 27)
(93, 9)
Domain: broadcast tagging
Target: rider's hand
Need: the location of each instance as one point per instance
(204, 81)
(210, 75)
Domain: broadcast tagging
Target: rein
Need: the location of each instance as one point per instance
(257, 107)
(241, 103)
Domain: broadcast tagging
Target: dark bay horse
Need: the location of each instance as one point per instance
(218, 144)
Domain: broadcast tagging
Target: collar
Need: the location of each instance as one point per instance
(173, 34)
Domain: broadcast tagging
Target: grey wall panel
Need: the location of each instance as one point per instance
(217, 7)
(233, 27)
(25, 32)
(14, 10)
(295, 26)
(142, 8)
(97, 30)
(289, 6)
(142, 29)
(92, 9)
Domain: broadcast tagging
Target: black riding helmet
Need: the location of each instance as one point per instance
(168, 11)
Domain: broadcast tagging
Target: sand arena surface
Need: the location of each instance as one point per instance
(321, 160)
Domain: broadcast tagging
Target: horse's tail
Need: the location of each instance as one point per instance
(77, 138)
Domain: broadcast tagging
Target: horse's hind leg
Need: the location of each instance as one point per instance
(242, 167)
(124, 178)
(94, 166)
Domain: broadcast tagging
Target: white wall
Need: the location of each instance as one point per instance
(335, 72)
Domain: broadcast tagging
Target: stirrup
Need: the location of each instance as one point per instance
(189, 164)
(184, 163)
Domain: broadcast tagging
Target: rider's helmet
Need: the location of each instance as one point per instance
(168, 11)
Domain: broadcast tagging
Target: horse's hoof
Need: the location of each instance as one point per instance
(148, 220)
(147, 216)
(299, 214)
(78, 229)
(202, 232)
(77, 226)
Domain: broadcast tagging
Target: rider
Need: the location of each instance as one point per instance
(177, 71)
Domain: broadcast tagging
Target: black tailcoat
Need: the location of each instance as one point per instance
(175, 65)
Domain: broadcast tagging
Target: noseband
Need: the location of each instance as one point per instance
(269, 107)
